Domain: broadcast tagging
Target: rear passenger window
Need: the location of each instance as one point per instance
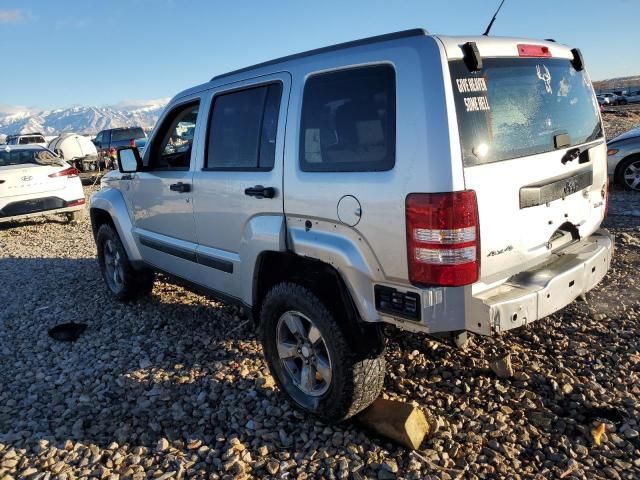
(349, 121)
(243, 128)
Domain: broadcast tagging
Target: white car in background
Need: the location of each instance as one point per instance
(27, 139)
(34, 181)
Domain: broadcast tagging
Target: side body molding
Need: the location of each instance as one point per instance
(111, 201)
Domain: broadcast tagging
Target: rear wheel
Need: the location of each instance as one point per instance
(122, 280)
(312, 357)
(629, 173)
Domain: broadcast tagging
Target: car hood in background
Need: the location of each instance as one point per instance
(633, 133)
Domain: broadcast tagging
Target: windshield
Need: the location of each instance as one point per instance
(127, 134)
(25, 156)
(515, 107)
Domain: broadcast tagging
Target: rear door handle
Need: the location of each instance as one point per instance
(260, 192)
(180, 187)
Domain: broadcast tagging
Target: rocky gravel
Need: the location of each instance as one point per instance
(621, 118)
(175, 386)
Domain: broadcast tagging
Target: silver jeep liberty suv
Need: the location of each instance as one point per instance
(439, 184)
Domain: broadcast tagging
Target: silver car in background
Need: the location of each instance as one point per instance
(608, 99)
(624, 159)
(632, 96)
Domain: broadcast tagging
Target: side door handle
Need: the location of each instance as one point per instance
(180, 187)
(260, 192)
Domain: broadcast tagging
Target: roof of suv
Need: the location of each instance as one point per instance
(489, 47)
(120, 128)
(415, 32)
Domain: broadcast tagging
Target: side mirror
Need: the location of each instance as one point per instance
(129, 160)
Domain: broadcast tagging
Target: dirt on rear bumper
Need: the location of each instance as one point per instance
(539, 292)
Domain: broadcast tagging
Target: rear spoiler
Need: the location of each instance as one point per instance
(473, 59)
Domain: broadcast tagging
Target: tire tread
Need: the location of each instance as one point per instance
(137, 283)
(365, 376)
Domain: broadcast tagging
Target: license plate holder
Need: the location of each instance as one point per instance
(540, 194)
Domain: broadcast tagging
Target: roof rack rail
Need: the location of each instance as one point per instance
(415, 32)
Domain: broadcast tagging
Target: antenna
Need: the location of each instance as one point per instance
(486, 32)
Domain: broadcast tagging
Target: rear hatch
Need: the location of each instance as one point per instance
(30, 172)
(532, 149)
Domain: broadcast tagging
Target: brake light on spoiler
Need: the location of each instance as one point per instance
(443, 238)
(526, 50)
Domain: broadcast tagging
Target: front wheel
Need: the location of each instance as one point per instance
(123, 281)
(312, 357)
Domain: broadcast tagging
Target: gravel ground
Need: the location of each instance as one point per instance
(175, 386)
(621, 118)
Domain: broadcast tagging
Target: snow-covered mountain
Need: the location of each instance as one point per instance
(80, 119)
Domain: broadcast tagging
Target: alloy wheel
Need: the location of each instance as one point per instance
(113, 267)
(303, 354)
(631, 175)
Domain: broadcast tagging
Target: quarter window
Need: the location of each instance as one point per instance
(243, 128)
(349, 121)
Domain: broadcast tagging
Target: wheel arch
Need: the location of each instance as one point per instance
(108, 206)
(323, 280)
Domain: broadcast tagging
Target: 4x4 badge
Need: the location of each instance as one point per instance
(506, 249)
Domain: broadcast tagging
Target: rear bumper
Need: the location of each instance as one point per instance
(537, 293)
(36, 207)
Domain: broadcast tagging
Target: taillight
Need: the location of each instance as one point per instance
(443, 238)
(525, 50)
(112, 152)
(75, 203)
(132, 143)
(67, 172)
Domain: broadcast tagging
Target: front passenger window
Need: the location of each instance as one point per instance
(171, 149)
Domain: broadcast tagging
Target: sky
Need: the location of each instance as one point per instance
(63, 53)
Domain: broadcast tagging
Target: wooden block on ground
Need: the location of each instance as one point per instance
(401, 422)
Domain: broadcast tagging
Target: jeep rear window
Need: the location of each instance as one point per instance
(515, 107)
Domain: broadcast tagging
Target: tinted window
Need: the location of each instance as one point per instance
(171, 149)
(349, 120)
(243, 128)
(24, 156)
(515, 107)
(126, 134)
